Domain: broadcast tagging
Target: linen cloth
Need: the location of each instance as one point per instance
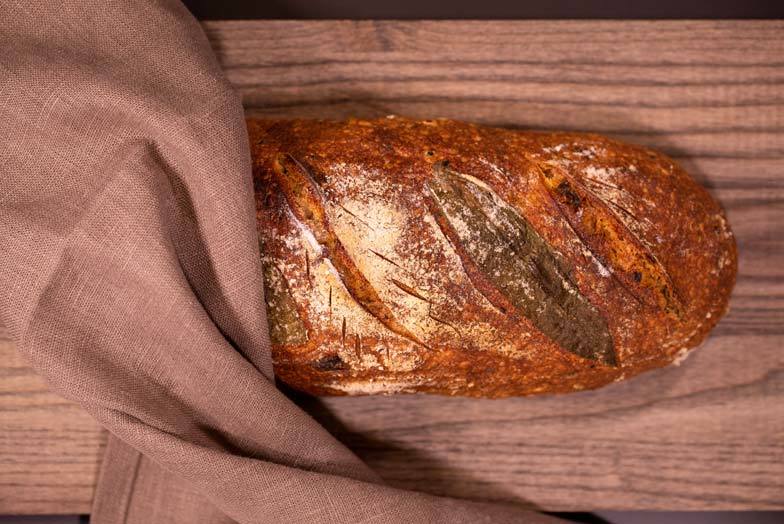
(130, 276)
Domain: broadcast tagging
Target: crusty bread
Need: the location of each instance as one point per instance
(443, 257)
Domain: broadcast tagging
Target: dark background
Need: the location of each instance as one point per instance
(485, 9)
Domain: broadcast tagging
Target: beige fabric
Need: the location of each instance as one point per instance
(129, 275)
(135, 490)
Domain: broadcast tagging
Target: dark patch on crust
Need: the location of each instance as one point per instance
(570, 198)
(329, 363)
(285, 325)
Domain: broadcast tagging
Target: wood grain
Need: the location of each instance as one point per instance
(708, 434)
(50, 450)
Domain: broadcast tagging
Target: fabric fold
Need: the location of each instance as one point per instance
(130, 276)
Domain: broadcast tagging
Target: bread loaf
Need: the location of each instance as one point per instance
(443, 257)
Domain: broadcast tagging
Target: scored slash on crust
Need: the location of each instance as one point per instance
(635, 268)
(513, 267)
(307, 202)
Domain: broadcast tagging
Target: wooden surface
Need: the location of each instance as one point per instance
(708, 434)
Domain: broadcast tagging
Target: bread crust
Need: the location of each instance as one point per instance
(443, 257)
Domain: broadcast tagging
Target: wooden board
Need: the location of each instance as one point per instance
(708, 434)
(50, 450)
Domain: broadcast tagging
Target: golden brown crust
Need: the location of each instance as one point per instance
(444, 257)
